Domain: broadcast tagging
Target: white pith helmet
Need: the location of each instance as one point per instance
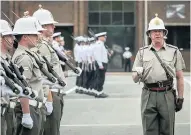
(5, 28)
(39, 26)
(26, 25)
(44, 16)
(156, 24)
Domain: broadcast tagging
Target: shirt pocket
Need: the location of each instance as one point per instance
(147, 62)
(168, 60)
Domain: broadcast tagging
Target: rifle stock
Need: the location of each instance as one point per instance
(69, 64)
(10, 84)
(50, 69)
(14, 77)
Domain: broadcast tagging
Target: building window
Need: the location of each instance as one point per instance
(128, 18)
(111, 13)
(94, 18)
(117, 5)
(117, 18)
(93, 6)
(105, 5)
(105, 18)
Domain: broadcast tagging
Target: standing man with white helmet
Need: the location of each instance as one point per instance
(8, 121)
(156, 65)
(6, 53)
(28, 113)
(45, 18)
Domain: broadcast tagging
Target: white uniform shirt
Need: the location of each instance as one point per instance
(76, 52)
(127, 54)
(100, 53)
(89, 53)
(84, 54)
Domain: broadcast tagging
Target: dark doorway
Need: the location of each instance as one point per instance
(179, 36)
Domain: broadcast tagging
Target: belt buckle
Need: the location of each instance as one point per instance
(160, 84)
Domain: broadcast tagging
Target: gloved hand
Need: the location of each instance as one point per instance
(21, 94)
(72, 73)
(33, 93)
(7, 91)
(139, 71)
(179, 104)
(27, 121)
(56, 85)
(49, 107)
(47, 82)
(80, 71)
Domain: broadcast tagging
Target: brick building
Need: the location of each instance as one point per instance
(125, 22)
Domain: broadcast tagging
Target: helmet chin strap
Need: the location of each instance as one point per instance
(31, 41)
(7, 41)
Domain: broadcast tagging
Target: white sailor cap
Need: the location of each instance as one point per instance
(79, 38)
(127, 48)
(100, 34)
(56, 34)
(85, 39)
(91, 39)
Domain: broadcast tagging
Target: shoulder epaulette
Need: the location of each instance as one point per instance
(172, 46)
(144, 47)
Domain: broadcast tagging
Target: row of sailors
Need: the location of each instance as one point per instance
(91, 56)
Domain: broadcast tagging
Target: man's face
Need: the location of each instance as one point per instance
(8, 41)
(156, 35)
(49, 29)
(62, 43)
(58, 39)
(103, 38)
(32, 40)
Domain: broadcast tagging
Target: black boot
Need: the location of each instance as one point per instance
(102, 95)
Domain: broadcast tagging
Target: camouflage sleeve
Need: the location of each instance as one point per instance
(137, 62)
(26, 62)
(179, 64)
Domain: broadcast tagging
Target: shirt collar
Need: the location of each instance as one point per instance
(151, 46)
(3, 55)
(21, 47)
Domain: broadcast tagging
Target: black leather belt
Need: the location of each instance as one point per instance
(159, 84)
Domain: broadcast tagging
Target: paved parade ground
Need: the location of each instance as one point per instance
(117, 115)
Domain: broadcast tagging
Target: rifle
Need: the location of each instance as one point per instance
(10, 74)
(43, 70)
(9, 83)
(19, 73)
(62, 58)
(51, 70)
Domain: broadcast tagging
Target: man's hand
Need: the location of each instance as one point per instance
(80, 71)
(27, 121)
(49, 107)
(139, 70)
(179, 104)
(102, 68)
(56, 85)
